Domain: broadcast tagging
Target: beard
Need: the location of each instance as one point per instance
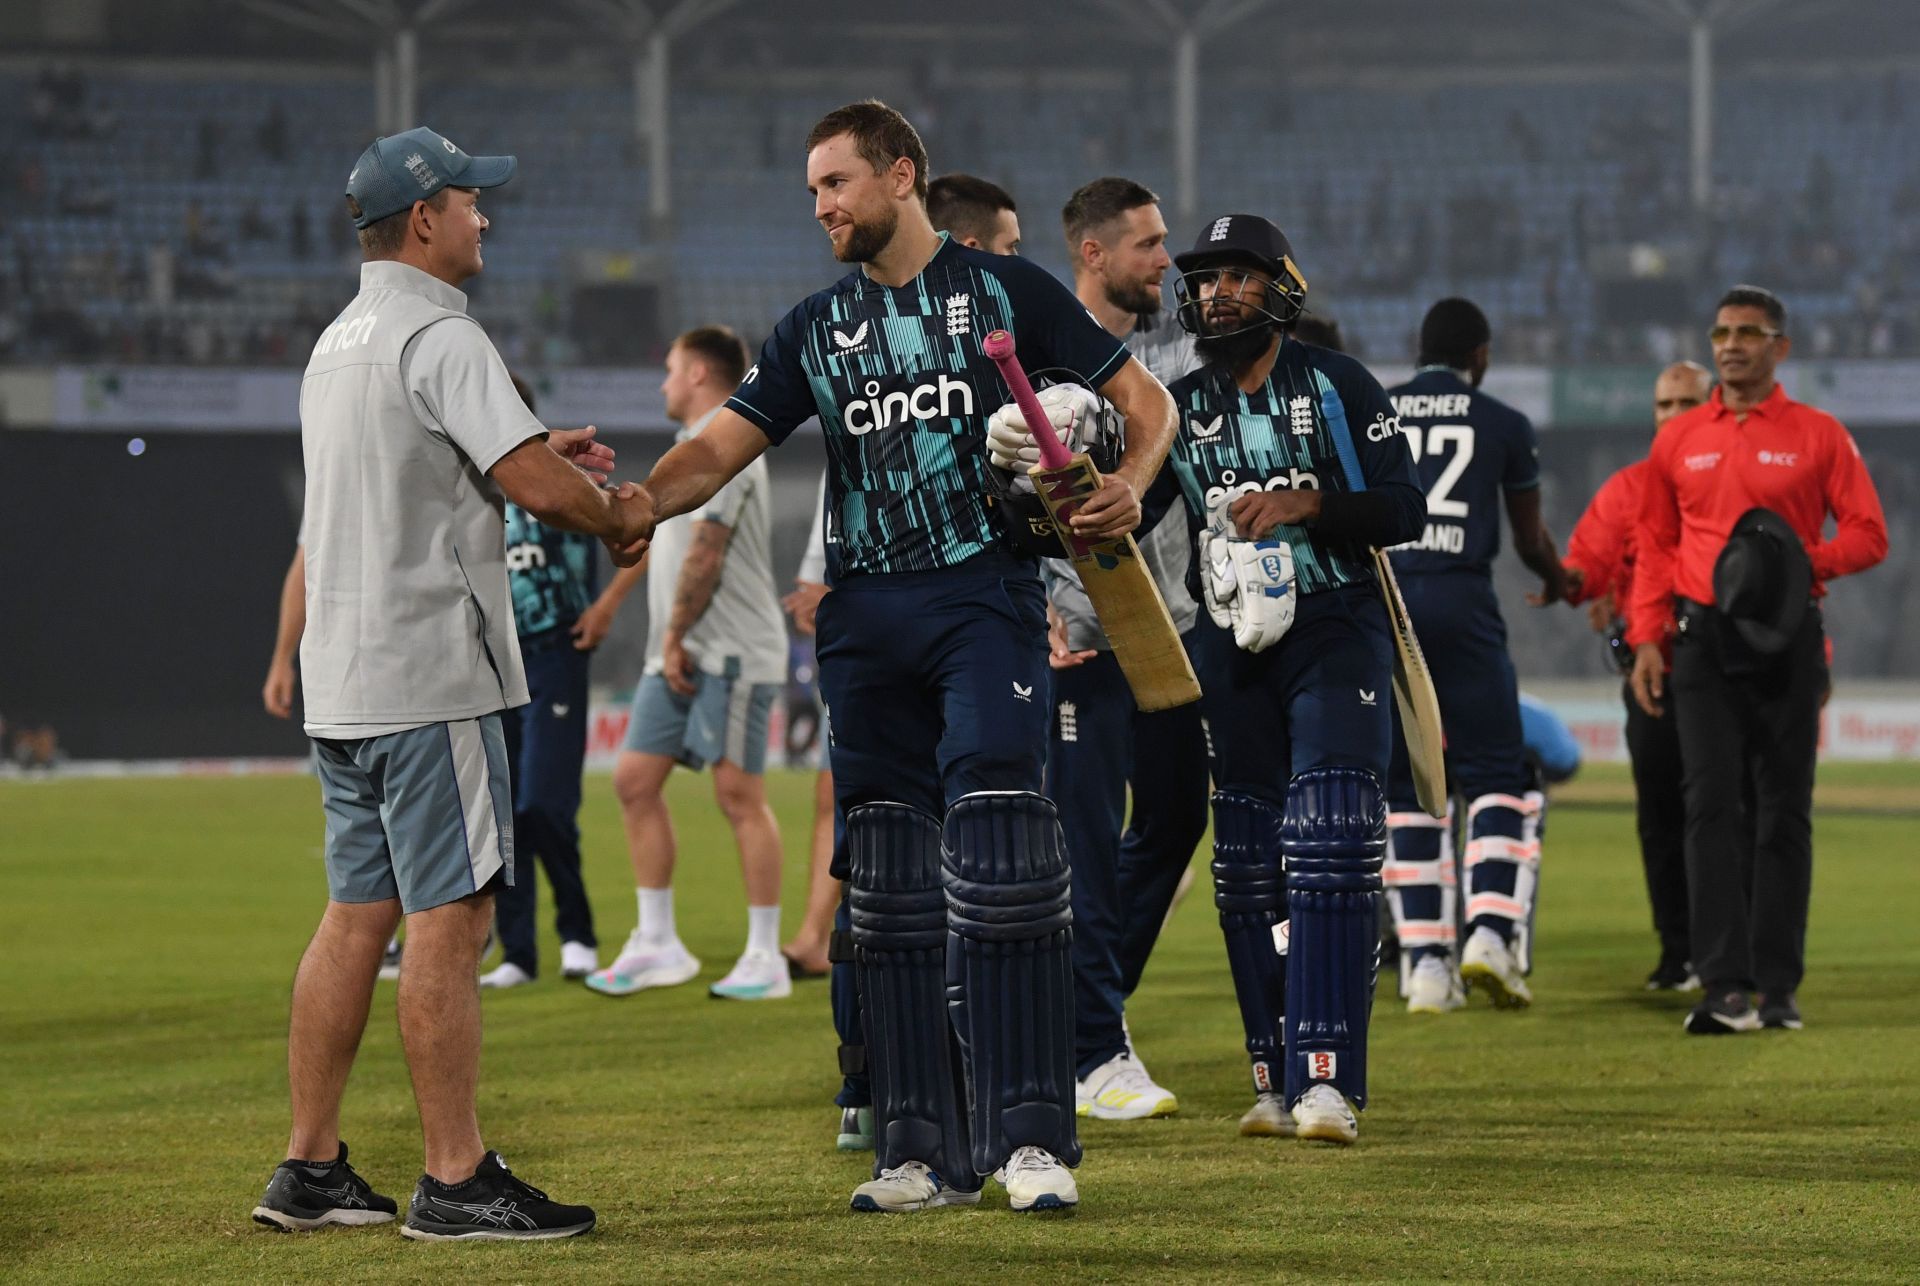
(1235, 350)
(1136, 297)
(866, 240)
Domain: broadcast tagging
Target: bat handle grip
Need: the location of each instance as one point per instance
(998, 346)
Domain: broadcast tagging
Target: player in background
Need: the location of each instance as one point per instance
(716, 658)
(933, 661)
(826, 934)
(978, 214)
(1291, 464)
(1600, 550)
(1476, 456)
(1103, 748)
(559, 619)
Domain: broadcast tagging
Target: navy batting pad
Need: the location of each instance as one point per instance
(900, 940)
(1010, 972)
(1334, 838)
(1249, 889)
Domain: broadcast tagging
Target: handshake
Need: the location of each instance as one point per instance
(626, 525)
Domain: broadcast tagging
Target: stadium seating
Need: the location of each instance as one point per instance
(1393, 196)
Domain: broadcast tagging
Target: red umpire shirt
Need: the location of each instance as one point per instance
(1707, 468)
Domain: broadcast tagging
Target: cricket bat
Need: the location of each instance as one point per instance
(1413, 693)
(1121, 589)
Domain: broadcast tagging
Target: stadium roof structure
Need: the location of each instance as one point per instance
(1290, 38)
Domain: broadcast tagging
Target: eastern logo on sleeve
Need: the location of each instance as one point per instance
(846, 343)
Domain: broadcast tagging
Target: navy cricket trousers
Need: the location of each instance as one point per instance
(935, 683)
(1464, 639)
(547, 746)
(1104, 747)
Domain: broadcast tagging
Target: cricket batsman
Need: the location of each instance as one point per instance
(1291, 464)
(933, 661)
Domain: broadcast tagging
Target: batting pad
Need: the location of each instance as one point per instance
(1422, 888)
(1010, 972)
(1334, 838)
(900, 949)
(1249, 889)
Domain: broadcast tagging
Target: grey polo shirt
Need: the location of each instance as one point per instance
(404, 408)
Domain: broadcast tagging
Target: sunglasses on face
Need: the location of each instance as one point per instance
(1747, 333)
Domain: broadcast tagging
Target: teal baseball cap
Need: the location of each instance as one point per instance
(403, 168)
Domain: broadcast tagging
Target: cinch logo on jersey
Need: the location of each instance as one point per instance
(346, 334)
(945, 396)
(1218, 498)
(526, 557)
(1382, 428)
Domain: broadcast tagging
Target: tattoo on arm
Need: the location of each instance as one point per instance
(699, 575)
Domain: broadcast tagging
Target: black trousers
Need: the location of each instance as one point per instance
(1660, 815)
(1764, 718)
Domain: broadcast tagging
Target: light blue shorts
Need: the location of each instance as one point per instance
(424, 815)
(723, 719)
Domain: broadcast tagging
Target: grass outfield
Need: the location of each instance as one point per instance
(150, 929)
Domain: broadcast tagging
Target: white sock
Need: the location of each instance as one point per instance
(763, 928)
(656, 916)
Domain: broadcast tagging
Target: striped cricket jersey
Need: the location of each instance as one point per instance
(903, 392)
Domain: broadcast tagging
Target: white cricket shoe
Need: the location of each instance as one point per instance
(906, 1187)
(642, 965)
(1035, 1180)
(577, 960)
(1488, 963)
(1432, 988)
(756, 975)
(506, 975)
(1120, 1090)
(1268, 1118)
(1323, 1113)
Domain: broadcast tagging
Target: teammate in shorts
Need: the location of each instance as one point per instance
(716, 660)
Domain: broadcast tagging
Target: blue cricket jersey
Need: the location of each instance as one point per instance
(903, 392)
(1286, 434)
(553, 574)
(1469, 448)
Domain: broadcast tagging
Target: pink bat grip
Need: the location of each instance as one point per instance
(998, 346)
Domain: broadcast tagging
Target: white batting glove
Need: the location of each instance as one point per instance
(1249, 588)
(1070, 409)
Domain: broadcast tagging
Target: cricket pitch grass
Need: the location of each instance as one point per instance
(149, 931)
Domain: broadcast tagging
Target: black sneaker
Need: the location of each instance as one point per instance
(491, 1206)
(303, 1196)
(1723, 1013)
(1672, 975)
(1780, 1012)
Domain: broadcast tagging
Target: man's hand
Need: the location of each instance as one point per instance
(1649, 678)
(277, 695)
(1560, 584)
(578, 448)
(678, 666)
(1059, 655)
(1600, 614)
(1257, 513)
(1108, 513)
(635, 507)
(592, 626)
(804, 603)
